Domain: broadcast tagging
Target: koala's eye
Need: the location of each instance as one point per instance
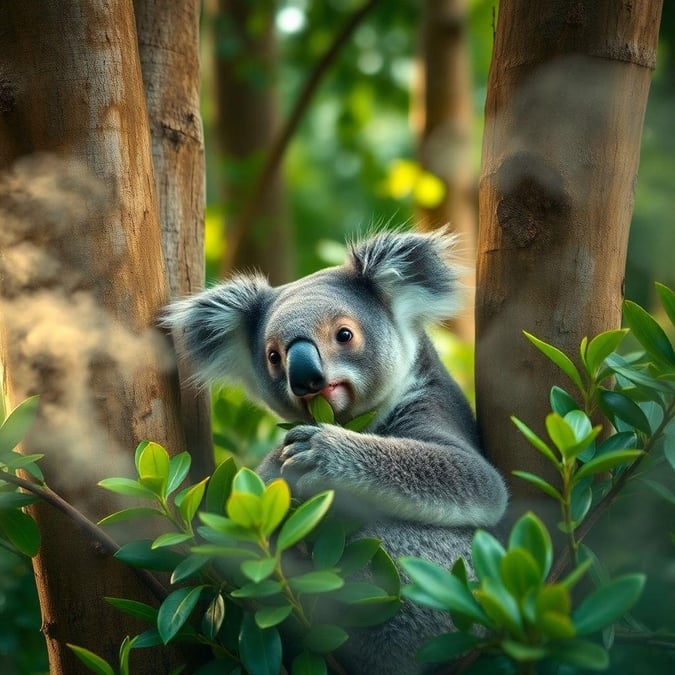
(274, 357)
(344, 335)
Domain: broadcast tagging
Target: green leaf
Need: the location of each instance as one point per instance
(537, 442)
(324, 638)
(170, 539)
(520, 572)
(530, 533)
(21, 531)
(357, 591)
(561, 433)
(553, 598)
(220, 485)
(307, 663)
(188, 500)
(361, 422)
(127, 514)
(18, 423)
(134, 608)
(600, 347)
(584, 434)
(125, 652)
(435, 587)
(545, 487)
(94, 662)
(561, 401)
(248, 481)
(648, 333)
(522, 652)
(141, 554)
(275, 503)
(385, 573)
(447, 647)
(262, 589)
(615, 404)
(358, 554)
(319, 581)
(176, 610)
(556, 626)
(225, 529)
(179, 466)
(272, 616)
(14, 500)
(329, 545)
(188, 566)
(370, 612)
(257, 570)
(608, 603)
(500, 606)
(213, 617)
(304, 520)
(667, 297)
(605, 462)
(259, 648)
(576, 574)
(245, 509)
(487, 554)
(127, 487)
(153, 467)
(321, 411)
(561, 360)
(581, 653)
(660, 489)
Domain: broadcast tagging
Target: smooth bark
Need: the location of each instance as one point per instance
(567, 93)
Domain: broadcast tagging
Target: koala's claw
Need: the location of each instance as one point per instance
(298, 449)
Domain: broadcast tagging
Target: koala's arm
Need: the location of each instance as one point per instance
(435, 483)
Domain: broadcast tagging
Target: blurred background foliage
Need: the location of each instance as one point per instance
(352, 165)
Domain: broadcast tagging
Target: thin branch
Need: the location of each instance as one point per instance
(285, 135)
(107, 543)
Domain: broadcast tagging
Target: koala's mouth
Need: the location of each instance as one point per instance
(338, 394)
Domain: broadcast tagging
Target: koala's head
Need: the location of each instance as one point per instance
(348, 333)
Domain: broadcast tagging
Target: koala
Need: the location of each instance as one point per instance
(355, 334)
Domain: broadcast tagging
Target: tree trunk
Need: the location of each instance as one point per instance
(248, 119)
(83, 280)
(168, 39)
(443, 117)
(567, 93)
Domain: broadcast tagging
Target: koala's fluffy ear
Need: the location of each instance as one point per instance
(413, 272)
(215, 328)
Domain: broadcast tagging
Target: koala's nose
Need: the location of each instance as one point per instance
(305, 374)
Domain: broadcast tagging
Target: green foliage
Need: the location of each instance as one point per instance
(519, 613)
(243, 549)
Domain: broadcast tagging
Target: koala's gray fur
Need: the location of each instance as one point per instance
(417, 478)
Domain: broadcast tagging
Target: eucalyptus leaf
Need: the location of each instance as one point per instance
(21, 531)
(219, 486)
(447, 647)
(259, 648)
(308, 663)
(94, 662)
(175, 610)
(274, 504)
(321, 410)
(18, 423)
(561, 360)
(324, 638)
(304, 520)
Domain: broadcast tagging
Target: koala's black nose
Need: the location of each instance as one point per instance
(305, 374)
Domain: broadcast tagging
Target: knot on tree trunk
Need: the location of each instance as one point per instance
(533, 200)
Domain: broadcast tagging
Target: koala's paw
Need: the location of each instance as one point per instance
(313, 457)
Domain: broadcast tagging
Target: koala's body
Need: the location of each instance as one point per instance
(355, 334)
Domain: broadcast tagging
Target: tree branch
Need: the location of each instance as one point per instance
(285, 135)
(108, 544)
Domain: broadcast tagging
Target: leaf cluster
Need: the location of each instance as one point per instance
(255, 577)
(510, 612)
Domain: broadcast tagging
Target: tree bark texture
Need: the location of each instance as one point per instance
(168, 40)
(248, 119)
(83, 280)
(567, 93)
(443, 117)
